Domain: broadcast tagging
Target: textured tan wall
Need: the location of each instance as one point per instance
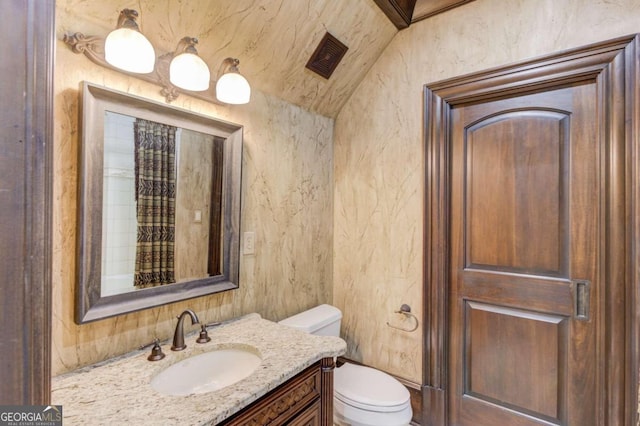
(378, 165)
(286, 200)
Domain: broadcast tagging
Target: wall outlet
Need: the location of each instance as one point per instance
(249, 243)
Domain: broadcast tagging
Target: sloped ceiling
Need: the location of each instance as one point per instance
(272, 38)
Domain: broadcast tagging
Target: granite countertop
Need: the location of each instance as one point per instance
(117, 391)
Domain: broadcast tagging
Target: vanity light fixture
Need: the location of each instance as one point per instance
(127, 48)
(187, 70)
(179, 71)
(232, 87)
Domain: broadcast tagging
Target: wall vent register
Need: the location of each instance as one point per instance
(327, 56)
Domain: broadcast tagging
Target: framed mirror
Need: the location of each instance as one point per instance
(158, 204)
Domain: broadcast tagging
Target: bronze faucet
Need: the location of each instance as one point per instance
(178, 336)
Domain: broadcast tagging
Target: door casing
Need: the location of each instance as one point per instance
(26, 148)
(615, 67)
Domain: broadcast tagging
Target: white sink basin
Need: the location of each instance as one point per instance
(207, 372)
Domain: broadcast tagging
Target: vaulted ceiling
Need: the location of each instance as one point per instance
(273, 39)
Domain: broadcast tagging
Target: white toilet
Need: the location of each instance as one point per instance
(363, 396)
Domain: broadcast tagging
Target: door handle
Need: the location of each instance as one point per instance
(581, 295)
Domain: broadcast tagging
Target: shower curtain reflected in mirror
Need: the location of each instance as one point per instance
(155, 183)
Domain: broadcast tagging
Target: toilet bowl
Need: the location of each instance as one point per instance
(363, 396)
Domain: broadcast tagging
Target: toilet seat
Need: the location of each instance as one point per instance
(369, 389)
(347, 415)
(372, 408)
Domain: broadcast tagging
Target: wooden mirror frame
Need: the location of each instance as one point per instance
(90, 305)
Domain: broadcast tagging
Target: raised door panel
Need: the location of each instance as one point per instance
(516, 359)
(516, 197)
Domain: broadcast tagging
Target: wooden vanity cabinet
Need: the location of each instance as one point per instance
(304, 400)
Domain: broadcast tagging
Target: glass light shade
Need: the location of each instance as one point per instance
(188, 71)
(233, 88)
(129, 50)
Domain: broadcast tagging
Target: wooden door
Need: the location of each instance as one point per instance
(525, 193)
(531, 230)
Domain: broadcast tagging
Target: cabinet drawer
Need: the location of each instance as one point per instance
(309, 417)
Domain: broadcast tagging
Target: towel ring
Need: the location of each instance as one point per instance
(406, 311)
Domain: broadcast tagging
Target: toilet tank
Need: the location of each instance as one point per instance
(323, 320)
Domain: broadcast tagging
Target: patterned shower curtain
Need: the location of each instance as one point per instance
(155, 180)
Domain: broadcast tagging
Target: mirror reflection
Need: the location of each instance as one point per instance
(162, 204)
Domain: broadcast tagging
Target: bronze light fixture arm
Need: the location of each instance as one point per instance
(230, 63)
(186, 44)
(127, 19)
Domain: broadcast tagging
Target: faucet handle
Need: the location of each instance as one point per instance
(156, 350)
(204, 336)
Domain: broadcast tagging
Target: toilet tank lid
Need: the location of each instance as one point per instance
(314, 318)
